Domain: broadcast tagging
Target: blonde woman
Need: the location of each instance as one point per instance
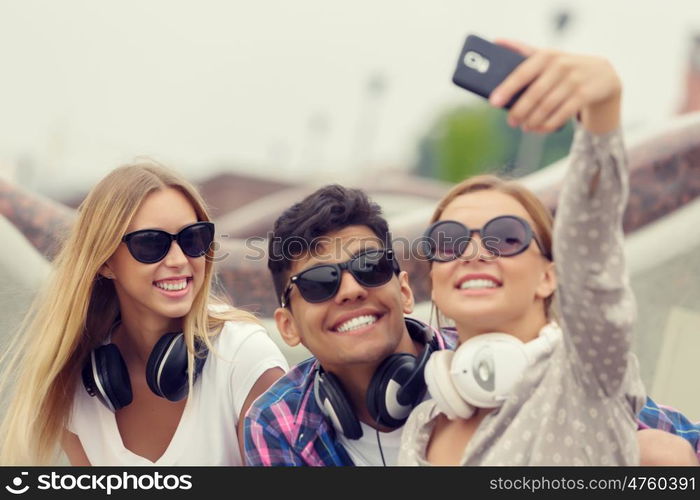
(126, 357)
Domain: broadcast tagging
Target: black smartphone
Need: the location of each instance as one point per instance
(483, 65)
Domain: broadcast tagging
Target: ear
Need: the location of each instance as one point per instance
(286, 326)
(548, 282)
(106, 272)
(407, 300)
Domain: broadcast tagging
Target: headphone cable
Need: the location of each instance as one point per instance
(379, 443)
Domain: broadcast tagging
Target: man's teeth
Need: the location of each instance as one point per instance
(355, 323)
(172, 286)
(477, 284)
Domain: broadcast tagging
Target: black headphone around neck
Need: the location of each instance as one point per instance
(397, 386)
(105, 374)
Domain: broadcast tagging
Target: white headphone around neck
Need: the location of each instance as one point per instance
(482, 372)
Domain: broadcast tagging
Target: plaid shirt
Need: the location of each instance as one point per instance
(285, 426)
(669, 419)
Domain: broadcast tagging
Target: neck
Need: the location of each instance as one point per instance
(526, 327)
(136, 335)
(357, 377)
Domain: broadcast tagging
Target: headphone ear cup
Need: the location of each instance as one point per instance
(487, 367)
(105, 375)
(166, 369)
(332, 400)
(383, 392)
(442, 389)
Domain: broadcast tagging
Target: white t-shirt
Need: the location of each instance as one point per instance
(206, 433)
(365, 451)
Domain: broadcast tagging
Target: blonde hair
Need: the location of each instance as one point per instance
(540, 214)
(75, 310)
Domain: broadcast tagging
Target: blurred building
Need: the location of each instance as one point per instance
(691, 100)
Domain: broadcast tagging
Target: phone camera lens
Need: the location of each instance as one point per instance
(476, 61)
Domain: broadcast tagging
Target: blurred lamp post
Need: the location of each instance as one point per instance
(313, 152)
(367, 122)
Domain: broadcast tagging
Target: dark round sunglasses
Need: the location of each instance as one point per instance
(320, 283)
(152, 245)
(503, 236)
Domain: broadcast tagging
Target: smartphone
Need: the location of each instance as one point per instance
(483, 65)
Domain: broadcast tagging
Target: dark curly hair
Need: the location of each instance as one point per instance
(329, 209)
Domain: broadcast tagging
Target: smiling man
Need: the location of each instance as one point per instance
(343, 296)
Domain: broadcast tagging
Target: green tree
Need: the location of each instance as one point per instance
(470, 140)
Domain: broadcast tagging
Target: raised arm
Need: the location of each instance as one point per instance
(596, 304)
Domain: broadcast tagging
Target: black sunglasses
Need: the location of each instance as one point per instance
(320, 283)
(503, 236)
(152, 245)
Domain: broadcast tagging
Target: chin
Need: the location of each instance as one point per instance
(361, 358)
(477, 316)
(366, 354)
(175, 312)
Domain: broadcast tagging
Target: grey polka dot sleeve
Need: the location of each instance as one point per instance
(597, 308)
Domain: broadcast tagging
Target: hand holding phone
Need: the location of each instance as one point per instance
(555, 85)
(483, 65)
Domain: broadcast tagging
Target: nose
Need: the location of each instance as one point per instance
(175, 257)
(476, 250)
(349, 290)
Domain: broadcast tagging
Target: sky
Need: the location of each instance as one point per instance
(281, 88)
